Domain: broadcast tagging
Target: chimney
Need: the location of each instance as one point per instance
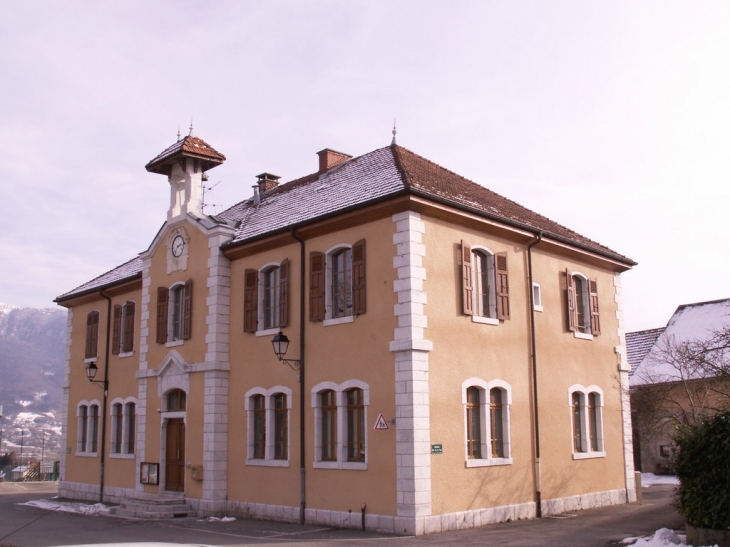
(329, 158)
(256, 195)
(267, 181)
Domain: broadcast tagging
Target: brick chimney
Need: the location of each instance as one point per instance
(329, 158)
(267, 181)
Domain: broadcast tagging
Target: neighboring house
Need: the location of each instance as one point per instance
(668, 387)
(460, 354)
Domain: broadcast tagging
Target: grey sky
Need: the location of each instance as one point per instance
(612, 118)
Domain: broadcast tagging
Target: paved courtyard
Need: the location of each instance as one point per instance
(26, 526)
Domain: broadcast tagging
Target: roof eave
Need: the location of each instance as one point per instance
(60, 300)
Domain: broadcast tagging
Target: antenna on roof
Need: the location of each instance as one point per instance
(207, 189)
(191, 127)
(393, 141)
(178, 132)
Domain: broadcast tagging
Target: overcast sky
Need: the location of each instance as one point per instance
(610, 117)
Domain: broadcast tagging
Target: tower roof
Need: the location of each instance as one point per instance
(187, 147)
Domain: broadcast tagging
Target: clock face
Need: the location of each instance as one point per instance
(177, 246)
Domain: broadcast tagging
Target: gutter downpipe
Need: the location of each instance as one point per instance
(105, 385)
(533, 349)
(302, 482)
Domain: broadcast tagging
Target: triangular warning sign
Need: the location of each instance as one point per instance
(380, 423)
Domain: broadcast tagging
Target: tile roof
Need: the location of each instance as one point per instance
(384, 173)
(188, 146)
(638, 344)
(378, 175)
(127, 271)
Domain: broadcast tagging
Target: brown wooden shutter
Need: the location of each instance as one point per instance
(572, 305)
(316, 286)
(117, 329)
(163, 295)
(467, 288)
(359, 286)
(92, 334)
(500, 260)
(187, 311)
(595, 321)
(250, 300)
(284, 293)
(128, 327)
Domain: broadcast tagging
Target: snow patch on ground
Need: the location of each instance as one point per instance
(216, 519)
(664, 537)
(650, 479)
(69, 507)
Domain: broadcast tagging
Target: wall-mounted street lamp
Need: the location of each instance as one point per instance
(91, 370)
(281, 344)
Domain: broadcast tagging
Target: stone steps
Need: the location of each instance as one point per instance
(154, 508)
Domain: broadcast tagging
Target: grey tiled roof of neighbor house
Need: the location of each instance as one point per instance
(638, 344)
(379, 175)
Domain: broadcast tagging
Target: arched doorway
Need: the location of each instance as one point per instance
(175, 443)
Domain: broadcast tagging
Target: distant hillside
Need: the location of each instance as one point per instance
(32, 354)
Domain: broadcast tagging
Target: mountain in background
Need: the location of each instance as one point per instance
(32, 360)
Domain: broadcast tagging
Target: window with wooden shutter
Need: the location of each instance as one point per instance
(359, 292)
(92, 335)
(128, 327)
(467, 290)
(316, 286)
(572, 307)
(284, 293)
(117, 329)
(187, 310)
(162, 300)
(502, 286)
(250, 300)
(595, 321)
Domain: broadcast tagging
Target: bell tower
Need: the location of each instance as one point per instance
(184, 163)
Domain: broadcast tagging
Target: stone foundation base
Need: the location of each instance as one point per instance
(388, 524)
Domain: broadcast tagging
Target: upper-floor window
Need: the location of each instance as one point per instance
(337, 286)
(177, 401)
(583, 319)
(92, 335)
(174, 312)
(87, 428)
(485, 284)
(268, 426)
(124, 417)
(123, 328)
(487, 421)
(266, 297)
(340, 415)
(586, 407)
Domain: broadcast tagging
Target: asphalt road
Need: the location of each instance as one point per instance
(26, 526)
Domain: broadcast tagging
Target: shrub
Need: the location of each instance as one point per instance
(702, 464)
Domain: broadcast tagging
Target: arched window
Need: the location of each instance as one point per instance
(473, 423)
(259, 426)
(355, 425)
(341, 283)
(281, 427)
(328, 425)
(586, 405)
(487, 422)
(583, 318)
(485, 284)
(485, 298)
(268, 426)
(176, 401)
(271, 297)
(123, 328)
(337, 286)
(174, 312)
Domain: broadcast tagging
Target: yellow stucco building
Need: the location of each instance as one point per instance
(455, 359)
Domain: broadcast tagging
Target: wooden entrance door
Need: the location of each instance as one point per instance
(175, 455)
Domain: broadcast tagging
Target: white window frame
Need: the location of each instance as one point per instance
(269, 449)
(587, 451)
(536, 296)
(490, 319)
(91, 431)
(328, 318)
(123, 449)
(171, 340)
(260, 295)
(340, 391)
(586, 295)
(485, 388)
